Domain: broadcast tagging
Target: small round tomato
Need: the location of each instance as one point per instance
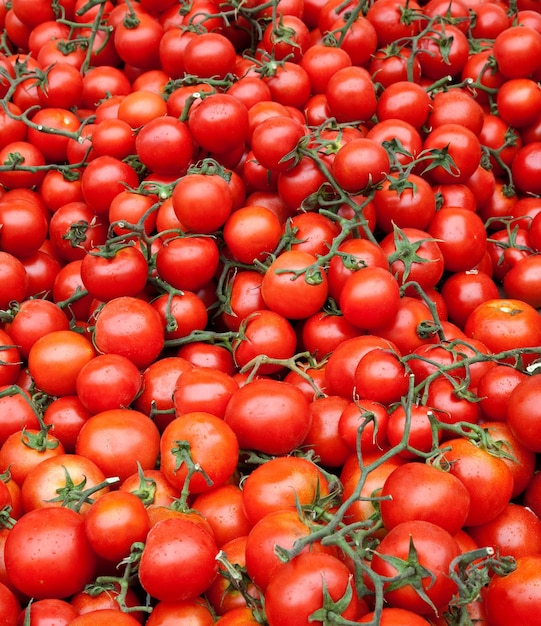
(370, 297)
(283, 482)
(462, 151)
(269, 415)
(294, 285)
(108, 381)
(360, 163)
(202, 202)
(211, 444)
(166, 570)
(252, 232)
(55, 360)
(47, 554)
(129, 327)
(435, 549)
(419, 491)
(298, 587)
(114, 522)
(118, 441)
(515, 596)
(516, 51)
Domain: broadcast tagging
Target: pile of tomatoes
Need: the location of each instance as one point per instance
(270, 274)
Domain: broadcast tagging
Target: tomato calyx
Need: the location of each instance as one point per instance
(73, 496)
(472, 571)
(332, 610)
(409, 573)
(238, 579)
(183, 456)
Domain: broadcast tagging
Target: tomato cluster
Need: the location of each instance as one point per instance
(270, 274)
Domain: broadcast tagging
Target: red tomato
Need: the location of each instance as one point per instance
(166, 569)
(298, 586)
(515, 596)
(47, 554)
(129, 327)
(270, 416)
(486, 477)
(208, 441)
(435, 549)
(517, 51)
(114, 522)
(202, 202)
(294, 285)
(108, 381)
(417, 491)
(360, 163)
(282, 483)
(118, 441)
(370, 297)
(55, 360)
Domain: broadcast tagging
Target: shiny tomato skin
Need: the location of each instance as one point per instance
(58, 562)
(297, 589)
(166, 569)
(436, 548)
(515, 596)
(271, 416)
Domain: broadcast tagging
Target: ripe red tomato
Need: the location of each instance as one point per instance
(166, 569)
(118, 441)
(435, 549)
(515, 596)
(47, 554)
(114, 522)
(210, 442)
(297, 588)
(269, 415)
(129, 327)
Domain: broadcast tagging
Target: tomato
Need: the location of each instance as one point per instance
(103, 179)
(27, 154)
(109, 274)
(211, 444)
(105, 596)
(24, 227)
(109, 381)
(45, 611)
(461, 236)
(360, 163)
(342, 362)
(188, 262)
(182, 613)
(435, 549)
(282, 483)
(142, 336)
(351, 95)
(65, 416)
(55, 360)
(114, 522)
(166, 568)
(372, 420)
(273, 139)
(370, 297)
(515, 596)
(381, 376)
(443, 51)
(518, 102)
(202, 203)
(465, 291)
(74, 229)
(323, 437)
(223, 509)
(266, 335)
(526, 168)
(298, 587)
(57, 562)
(252, 232)
(322, 333)
(486, 477)
(418, 491)
(117, 440)
(392, 616)
(268, 415)
(516, 51)
(390, 21)
(505, 324)
(411, 425)
(294, 285)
